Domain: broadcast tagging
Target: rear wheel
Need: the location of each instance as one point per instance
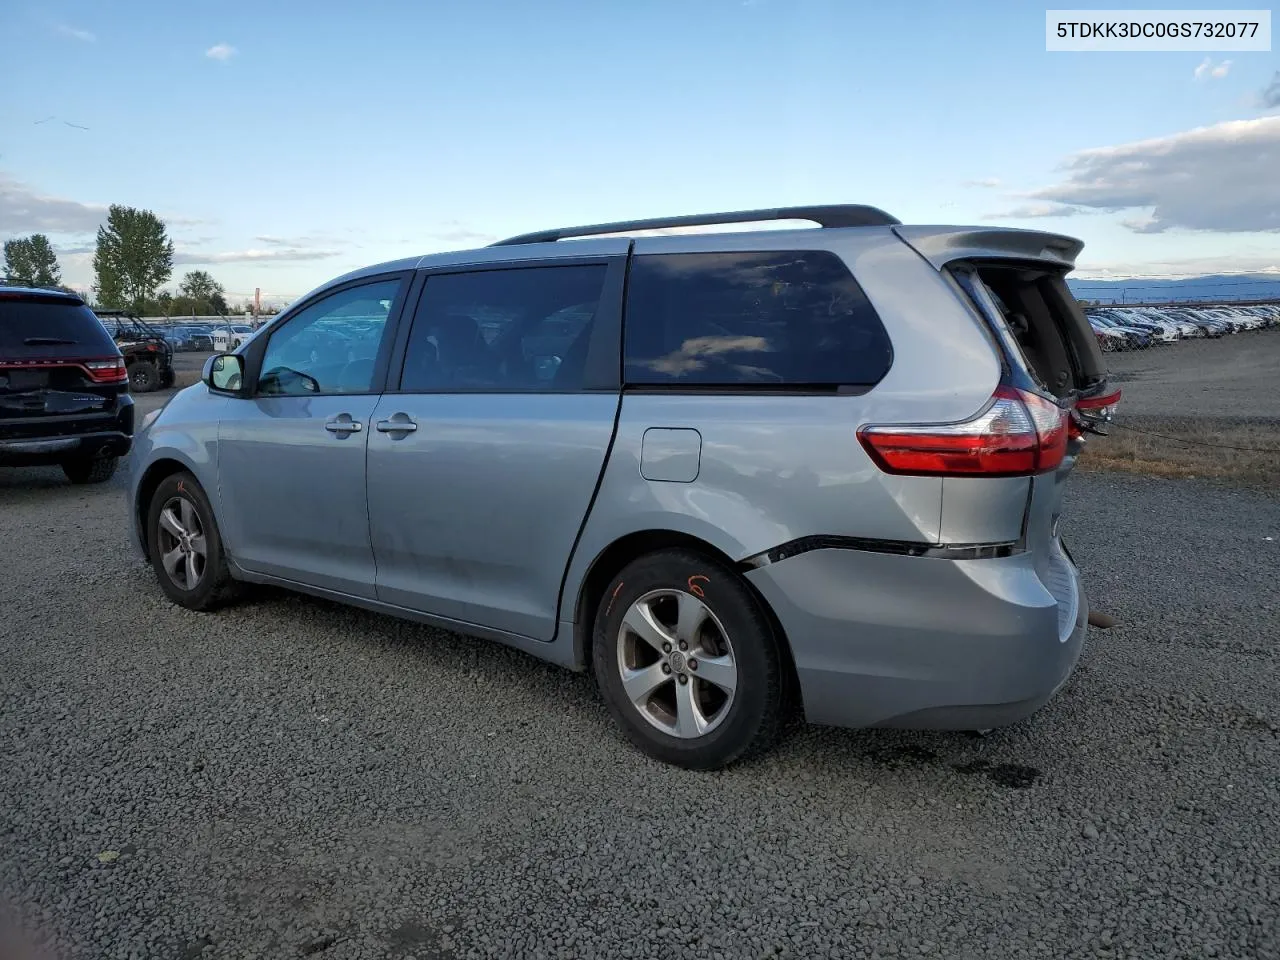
(185, 546)
(687, 661)
(143, 376)
(98, 470)
(167, 378)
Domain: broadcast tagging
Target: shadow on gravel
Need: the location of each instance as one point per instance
(40, 478)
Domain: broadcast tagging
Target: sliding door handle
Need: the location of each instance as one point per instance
(399, 423)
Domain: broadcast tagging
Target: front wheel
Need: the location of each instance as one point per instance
(185, 546)
(687, 662)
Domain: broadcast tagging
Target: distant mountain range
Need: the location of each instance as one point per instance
(1248, 286)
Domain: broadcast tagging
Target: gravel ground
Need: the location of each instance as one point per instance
(1234, 376)
(292, 778)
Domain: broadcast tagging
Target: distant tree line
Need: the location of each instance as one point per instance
(132, 260)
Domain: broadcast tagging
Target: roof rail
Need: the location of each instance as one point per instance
(836, 215)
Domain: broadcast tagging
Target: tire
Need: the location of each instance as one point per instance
(195, 582)
(143, 376)
(167, 378)
(673, 700)
(98, 470)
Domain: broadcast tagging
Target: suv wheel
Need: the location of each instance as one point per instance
(186, 549)
(99, 470)
(687, 662)
(143, 376)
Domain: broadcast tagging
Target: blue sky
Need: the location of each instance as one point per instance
(288, 142)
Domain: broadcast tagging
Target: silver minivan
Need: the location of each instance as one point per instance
(731, 473)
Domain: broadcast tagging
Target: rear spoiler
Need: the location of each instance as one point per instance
(943, 245)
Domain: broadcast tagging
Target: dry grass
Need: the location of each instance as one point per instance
(1244, 451)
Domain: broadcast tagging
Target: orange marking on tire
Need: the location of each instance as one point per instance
(694, 588)
(616, 590)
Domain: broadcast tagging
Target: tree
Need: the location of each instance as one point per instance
(134, 256)
(31, 260)
(199, 285)
(202, 294)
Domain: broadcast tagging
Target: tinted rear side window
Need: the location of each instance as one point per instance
(780, 318)
(522, 329)
(50, 327)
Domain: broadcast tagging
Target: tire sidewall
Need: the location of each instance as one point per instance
(754, 651)
(185, 485)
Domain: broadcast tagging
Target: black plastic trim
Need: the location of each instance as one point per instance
(901, 548)
(831, 216)
(751, 389)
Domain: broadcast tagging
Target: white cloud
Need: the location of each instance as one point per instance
(221, 51)
(82, 35)
(1211, 70)
(1034, 210)
(989, 183)
(457, 233)
(22, 211)
(283, 254)
(1219, 178)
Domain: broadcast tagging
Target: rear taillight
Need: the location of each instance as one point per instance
(1093, 411)
(1017, 434)
(1099, 406)
(106, 371)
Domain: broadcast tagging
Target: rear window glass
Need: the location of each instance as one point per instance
(782, 318)
(50, 326)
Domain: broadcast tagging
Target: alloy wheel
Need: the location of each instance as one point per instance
(183, 549)
(677, 663)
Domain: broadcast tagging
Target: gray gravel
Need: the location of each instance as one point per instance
(1233, 377)
(292, 778)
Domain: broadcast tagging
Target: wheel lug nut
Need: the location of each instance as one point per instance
(666, 668)
(683, 645)
(693, 664)
(683, 678)
(666, 648)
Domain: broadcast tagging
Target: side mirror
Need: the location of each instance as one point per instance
(224, 373)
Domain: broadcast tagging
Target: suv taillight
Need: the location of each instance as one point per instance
(106, 371)
(1019, 433)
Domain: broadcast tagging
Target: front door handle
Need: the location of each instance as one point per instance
(342, 425)
(398, 423)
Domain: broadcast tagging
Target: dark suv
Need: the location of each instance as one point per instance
(64, 388)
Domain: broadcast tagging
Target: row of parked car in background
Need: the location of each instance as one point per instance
(1136, 328)
(206, 337)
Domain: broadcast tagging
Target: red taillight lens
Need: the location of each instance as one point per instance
(1094, 409)
(106, 371)
(1019, 433)
(1097, 405)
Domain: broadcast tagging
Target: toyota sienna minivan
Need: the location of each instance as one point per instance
(728, 473)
